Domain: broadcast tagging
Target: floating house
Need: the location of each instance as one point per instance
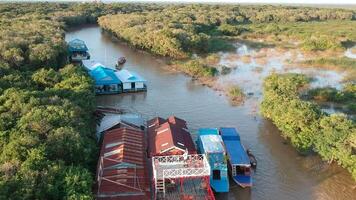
(131, 81)
(169, 137)
(106, 81)
(112, 121)
(122, 171)
(78, 50)
(178, 171)
(210, 143)
(238, 161)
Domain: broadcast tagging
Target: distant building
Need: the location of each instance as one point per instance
(122, 171)
(78, 50)
(131, 81)
(106, 82)
(169, 137)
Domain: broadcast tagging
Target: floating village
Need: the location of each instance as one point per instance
(158, 158)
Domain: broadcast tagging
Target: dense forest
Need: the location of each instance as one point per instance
(48, 147)
(333, 137)
(177, 31)
(47, 142)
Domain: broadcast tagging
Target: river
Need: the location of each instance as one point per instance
(281, 172)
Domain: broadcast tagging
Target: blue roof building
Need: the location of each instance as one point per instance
(78, 50)
(210, 143)
(106, 81)
(131, 81)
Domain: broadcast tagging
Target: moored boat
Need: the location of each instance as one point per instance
(238, 161)
(78, 51)
(209, 142)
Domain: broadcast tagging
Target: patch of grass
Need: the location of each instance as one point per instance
(343, 62)
(196, 68)
(311, 36)
(236, 94)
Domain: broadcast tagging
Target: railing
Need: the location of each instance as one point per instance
(180, 166)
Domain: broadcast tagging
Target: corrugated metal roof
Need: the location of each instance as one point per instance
(126, 76)
(111, 120)
(236, 152)
(122, 169)
(92, 64)
(167, 137)
(77, 45)
(104, 76)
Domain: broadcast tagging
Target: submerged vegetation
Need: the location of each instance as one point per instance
(235, 94)
(307, 127)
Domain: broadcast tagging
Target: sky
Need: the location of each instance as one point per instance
(336, 2)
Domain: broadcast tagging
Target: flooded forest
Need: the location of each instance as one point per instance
(284, 76)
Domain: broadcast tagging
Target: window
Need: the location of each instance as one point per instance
(133, 85)
(216, 174)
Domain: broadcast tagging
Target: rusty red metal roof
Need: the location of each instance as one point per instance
(169, 137)
(122, 168)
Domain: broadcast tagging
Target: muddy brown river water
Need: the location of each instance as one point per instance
(281, 172)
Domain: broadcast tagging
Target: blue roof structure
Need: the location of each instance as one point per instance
(126, 76)
(208, 131)
(77, 45)
(236, 152)
(104, 76)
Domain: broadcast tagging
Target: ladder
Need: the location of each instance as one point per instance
(160, 187)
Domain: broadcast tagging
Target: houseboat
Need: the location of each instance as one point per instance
(131, 82)
(122, 171)
(210, 143)
(178, 171)
(106, 81)
(78, 51)
(238, 161)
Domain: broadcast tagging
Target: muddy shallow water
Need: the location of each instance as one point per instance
(281, 172)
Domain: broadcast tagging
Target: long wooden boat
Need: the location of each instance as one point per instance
(210, 143)
(238, 161)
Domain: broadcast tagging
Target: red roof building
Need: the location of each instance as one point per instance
(169, 137)
(122, 169)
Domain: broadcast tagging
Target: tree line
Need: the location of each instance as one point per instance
(333, 137)
(48, 146)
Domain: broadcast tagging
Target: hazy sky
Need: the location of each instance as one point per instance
(226, 1)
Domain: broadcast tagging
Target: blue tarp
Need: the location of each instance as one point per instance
(77, 45)
(236, 152)
(104, 76)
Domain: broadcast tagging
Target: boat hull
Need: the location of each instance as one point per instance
(242, 180)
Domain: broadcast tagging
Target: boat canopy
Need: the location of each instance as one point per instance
(77, 45)
(212, 143)
(236, 152)
(129, 77)
(104, 76)
(208, 131)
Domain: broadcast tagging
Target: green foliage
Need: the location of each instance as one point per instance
(196, 68)
(236, 94)
(333, 137)
(47, 142)
(320, 43)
